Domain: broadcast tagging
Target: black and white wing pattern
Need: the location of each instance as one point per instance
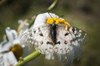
(66, 45)
(68, 42)
(39, 37)
(76, 38)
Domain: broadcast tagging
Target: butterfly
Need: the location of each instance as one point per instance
(54, 37)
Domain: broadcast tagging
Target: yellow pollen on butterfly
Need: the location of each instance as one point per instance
(57, 21)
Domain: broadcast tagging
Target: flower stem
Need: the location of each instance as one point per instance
(52, 5)
(28, 58)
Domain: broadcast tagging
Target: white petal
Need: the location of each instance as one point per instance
(9, 59)
(24, 29)
(14, 33)
(20, 21)
(5, 46)
(41, 19)
(11, 34)
(16, 42)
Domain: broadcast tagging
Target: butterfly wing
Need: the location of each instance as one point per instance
(71, 40)
(79, 37)
(68, 44)
(38, 37)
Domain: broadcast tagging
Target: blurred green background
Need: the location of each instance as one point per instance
(84, 14)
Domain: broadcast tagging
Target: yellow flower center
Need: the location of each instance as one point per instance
(17, 50)
(57, 21)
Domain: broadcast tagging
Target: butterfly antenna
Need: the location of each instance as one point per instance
(50, 15)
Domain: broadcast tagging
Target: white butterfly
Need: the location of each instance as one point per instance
(54, 37)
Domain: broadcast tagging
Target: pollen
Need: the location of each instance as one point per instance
(57, 21)
(51, 20)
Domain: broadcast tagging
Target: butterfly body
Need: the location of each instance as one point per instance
(53, 33)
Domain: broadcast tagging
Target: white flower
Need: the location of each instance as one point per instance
(41, 19)
(54, 37)
(11, 49)
(7, 57)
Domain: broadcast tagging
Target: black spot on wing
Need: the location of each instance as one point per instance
(58, 42)
(80, 35)
(73, 29)
(66, 34)
(74, 39)
(34, 31)
(49, 42)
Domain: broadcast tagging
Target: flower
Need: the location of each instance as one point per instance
(11, 49)
(54, 37)
(7, 57)
(41, 19)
